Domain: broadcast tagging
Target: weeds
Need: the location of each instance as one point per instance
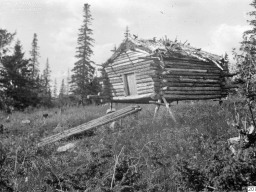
(190, 155)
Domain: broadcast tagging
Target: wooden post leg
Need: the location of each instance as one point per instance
(156, 110)
(169, 109)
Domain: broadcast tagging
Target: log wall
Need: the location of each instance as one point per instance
(191, 80)
(146, 74)
(173, 78)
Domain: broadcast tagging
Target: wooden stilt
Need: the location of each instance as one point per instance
(158, 104)
(169, 109)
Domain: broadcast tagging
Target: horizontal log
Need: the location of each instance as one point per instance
(187, 73)
(191, 66)
(145, 88)
(150, 58)
(132, 97)
(128, 66)
(191, 88)
(147, 84)
(142, 76)
(179, 84)
(117, 94)
(173, 70)
(98, 97)
(192, 63)
(126, 61)
(191, 76)
(137, 82)
(193, 92)
(187, 80)
(194, 60)
(132, 55)
(129, 71)
(137, 71)
(141, 92)
(190, 97)
(146, 80)
(150, 73)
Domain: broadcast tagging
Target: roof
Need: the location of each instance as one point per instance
(166, 49)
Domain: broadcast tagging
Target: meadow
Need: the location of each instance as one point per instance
(135, 155)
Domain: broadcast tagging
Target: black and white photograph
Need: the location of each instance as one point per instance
(127, 95)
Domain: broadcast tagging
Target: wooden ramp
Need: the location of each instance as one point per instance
(90, 125)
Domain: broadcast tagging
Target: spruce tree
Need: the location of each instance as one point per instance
(62, 89)
(5, 40)
(83, 70)
(67, 83)
(16, 79)
(47, 75)
(34, 57)
(55, 88)
(45, 85)
(246, 56)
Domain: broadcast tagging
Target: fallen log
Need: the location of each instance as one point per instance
(90, 125)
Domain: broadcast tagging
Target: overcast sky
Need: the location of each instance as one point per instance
(213, 25)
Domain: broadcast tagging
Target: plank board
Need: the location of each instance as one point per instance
(90, 125)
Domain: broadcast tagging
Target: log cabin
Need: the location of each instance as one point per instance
(145, 71)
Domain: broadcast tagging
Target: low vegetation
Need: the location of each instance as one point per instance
(190, 155)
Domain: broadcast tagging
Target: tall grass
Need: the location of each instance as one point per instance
(136, 155)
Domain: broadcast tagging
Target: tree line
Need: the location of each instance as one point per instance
(22, 84)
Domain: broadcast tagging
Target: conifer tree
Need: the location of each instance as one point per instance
(83, 70)
(62, 89)
(34, 57)
(246, 56)
(47, 76)
(67, 83)
(55, 88)
(45, 85)
(16, 79)
(5, 39)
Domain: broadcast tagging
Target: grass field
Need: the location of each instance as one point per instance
(138, 155)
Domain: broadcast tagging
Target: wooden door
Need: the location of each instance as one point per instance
(130, 84)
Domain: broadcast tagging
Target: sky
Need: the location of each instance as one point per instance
(213, 25)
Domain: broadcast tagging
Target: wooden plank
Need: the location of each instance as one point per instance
(90, 125)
